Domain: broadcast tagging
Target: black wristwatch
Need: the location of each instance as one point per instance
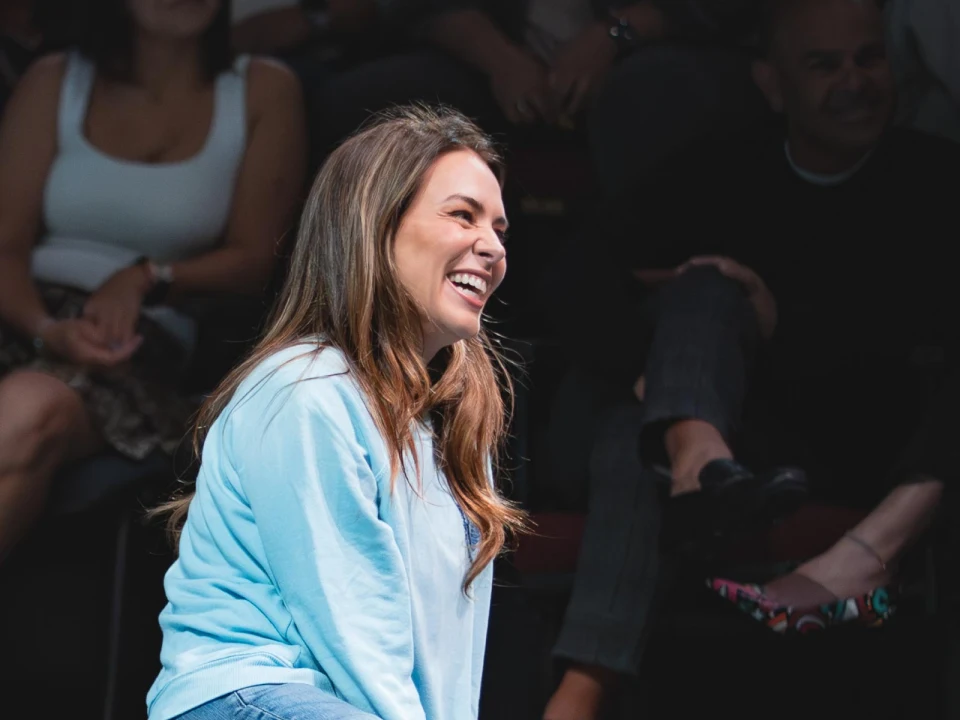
(623, 35)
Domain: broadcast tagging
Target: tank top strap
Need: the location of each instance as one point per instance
(229, 131)
(75, 92)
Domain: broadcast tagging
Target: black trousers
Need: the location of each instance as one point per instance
(702, 360)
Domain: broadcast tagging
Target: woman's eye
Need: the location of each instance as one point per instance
(463, 215)
(503, 235)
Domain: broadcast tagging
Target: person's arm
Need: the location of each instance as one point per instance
(646, 19)
(469, 35)
(580, 67)
(276, 26)
(336, 564)
(268, 188)
(28, 144)
(518, 80)
(272, 31)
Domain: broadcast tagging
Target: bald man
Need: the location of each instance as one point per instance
(834, 227)
(807, 317)
(825, 70)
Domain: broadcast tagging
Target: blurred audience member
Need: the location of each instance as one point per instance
(659, 72)
(143, 168)
(316, 39)
(846, 331)
(814, 326)
(922, 40)
(281, 27)
(692, 84)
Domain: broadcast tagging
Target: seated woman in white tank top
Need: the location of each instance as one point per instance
(143, 168)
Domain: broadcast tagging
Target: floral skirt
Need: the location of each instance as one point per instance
(135, 406)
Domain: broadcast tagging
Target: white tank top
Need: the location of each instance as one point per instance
(101, 213)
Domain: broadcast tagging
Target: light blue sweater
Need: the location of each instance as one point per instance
(298, 565)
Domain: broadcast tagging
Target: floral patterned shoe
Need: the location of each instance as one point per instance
(872, 609)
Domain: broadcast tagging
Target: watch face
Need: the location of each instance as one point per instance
(622, 33)
(164, 273)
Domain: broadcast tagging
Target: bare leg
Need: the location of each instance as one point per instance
(44, 425)
(690, 445)
(848, 569)
(581, 694)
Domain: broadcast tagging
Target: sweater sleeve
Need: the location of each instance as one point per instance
(336, 564)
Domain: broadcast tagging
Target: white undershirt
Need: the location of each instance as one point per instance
(822, 179)
(241, 10)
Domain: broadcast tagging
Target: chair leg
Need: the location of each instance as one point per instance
(116, 614)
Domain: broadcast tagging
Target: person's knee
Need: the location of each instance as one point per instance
(662, 99)
(39, 413)
(638, 96)
(675, 76)
(651, 70)
(705, 284)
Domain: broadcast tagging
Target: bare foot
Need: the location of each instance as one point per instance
(581, 694)
(690, 445)
(846, 570)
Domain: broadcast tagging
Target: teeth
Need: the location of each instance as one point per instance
(479, 284)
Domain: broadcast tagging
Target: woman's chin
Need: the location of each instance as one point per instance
(459, 334)
(446, 334)
(466, 331)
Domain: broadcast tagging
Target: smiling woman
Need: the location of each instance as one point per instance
(449, 249)
(336, 559)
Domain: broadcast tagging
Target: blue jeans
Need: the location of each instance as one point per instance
(291, 701)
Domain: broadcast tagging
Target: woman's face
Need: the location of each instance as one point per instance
(178, 19)
(449, 247)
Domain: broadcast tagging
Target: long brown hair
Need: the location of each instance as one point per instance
(343, 286)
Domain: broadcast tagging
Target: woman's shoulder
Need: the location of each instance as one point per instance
(48, 68)
(304, 388)
(304, 379)
(263, 71)
(304, 361)
(271, 87)
(43, 78)
(31, 115)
